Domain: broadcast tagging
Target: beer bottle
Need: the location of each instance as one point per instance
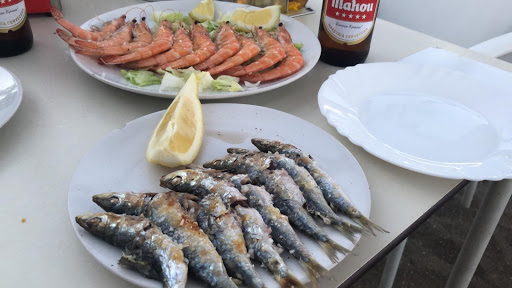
(346, 29)
(15, 32)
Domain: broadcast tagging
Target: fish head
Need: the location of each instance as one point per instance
(181, 180)
(223, 163)
(273, 146)
(118, 202)
(96, 223)
(238, 150)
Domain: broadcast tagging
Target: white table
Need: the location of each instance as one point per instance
(65, 112)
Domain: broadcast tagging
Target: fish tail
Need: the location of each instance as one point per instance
(369, 225)
(339, 248)
(313, 269)
(330, 250)
(290, 281)
(349, 231)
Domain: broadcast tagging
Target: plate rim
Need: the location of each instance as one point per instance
(236, 106)
(226, 95)
(19, 96)
(366, 143)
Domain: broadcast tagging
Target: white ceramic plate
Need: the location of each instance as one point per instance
(428, 119)
(11, 94)
(117, 163)
(111, 75)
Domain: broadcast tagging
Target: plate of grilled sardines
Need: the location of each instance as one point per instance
(270, 201)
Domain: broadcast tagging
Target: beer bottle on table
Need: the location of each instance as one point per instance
(15, 32)
(346, 29)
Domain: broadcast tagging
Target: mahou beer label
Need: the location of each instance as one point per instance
(349, 21)
(12, 15)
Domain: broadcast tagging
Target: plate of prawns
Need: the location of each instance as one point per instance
(254, 208)
(130, 38)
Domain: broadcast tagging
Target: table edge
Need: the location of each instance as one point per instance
(395, 242)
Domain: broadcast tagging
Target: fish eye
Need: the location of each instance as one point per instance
(176, 181)
(114, 200)
(93, 221)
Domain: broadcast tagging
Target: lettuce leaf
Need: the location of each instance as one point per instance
(210, 25)
(225, 85)
(298, 45)
(204, 79)
(171, 82)
(141, 77)
(171, 17)
(229, 78)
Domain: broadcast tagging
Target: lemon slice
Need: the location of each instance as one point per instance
(203, 11)
(267, 18)
(178, 136)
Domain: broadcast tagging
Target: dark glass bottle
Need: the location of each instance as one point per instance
(15, 32)
(346, 29)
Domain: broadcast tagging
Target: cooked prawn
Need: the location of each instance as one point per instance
(108, 27)
(273, 53)
(249, 50)
(228, 45)
(68, 38)
(141, 37)
(162, 42)
(122, 36)
(182, 46)
(291, 64)
(231, 71)
(204, 48)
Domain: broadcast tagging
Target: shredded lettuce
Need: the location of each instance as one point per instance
(141, 77)
(181, 73)
(229, 78)
(250, 85)
(225, 85)
(173, 79)
(298, 45)
(204, 79)
(210, 25)
(171, 82)
(172, 17)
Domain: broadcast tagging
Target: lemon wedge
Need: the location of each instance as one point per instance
(245, 20)
(178, 136)
(203, 11)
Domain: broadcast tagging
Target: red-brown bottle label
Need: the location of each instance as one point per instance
(13, 15)
(349, 21)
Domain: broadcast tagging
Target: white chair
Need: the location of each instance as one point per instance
(495, 200)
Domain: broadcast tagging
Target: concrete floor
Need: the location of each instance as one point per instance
(432, 250)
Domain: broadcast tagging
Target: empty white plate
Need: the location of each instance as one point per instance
(11, 94)
(428, 119)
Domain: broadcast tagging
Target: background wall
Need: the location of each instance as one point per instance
(463, 22)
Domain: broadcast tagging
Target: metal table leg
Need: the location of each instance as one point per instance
(481, 231)
(392, 262)
(469, 192)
